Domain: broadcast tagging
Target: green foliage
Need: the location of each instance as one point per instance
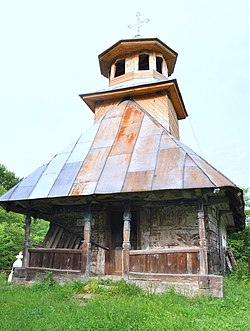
(7, 178)
(240, 241)
(240, 244)
(11, 237)
(247, 205)
(12, 225)
(31, 308)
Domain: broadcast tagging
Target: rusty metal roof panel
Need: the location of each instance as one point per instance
(214, 175)
(169, 171)
(194, 176)
(138, 181)
(145, 153)
(128, 131)
(107, 132)
(90, 171)
(146, 148)
(125, 153)
(114, 172)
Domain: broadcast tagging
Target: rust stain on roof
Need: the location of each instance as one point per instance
(128, 131)
(127, 153)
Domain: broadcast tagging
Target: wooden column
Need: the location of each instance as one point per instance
(126, 246)
(86, 248)
(202, 241)
(26, 242)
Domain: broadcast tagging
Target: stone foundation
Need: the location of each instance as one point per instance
(189, 285)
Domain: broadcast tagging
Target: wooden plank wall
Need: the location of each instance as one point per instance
(166, 263)
(213, 241)
(173, 120)
(63, 259)
(103, 107)
(61, 237)
(157, 106)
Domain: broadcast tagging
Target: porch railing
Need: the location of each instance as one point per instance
(57, 258)
(165, 261)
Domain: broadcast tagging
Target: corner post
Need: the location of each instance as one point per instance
(202, 241)
(26, 241)
(126, 246)
(86, 248)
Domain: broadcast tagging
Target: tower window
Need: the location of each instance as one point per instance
(159, 64)
(120, 68)
(143, 62)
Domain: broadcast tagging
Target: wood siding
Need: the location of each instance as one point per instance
(157, 107)
(175, 261)
(214, 259)
(63, 259)
(105, 106)
(173, 120)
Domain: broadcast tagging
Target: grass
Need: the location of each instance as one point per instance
(120, 306)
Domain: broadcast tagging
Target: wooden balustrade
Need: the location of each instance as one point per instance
(56, 258)
(165, 261)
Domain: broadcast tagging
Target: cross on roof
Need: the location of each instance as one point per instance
(138, 24)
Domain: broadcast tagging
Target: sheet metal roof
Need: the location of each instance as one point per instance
(125, 151)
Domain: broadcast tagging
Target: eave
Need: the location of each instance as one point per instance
(129, 46)
(170, 86)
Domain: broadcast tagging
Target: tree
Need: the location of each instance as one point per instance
(7, 178)
(240, 241)
(12, 225)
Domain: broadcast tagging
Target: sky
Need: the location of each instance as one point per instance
(49, 55)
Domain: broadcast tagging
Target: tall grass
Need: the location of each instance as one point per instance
(120, 306)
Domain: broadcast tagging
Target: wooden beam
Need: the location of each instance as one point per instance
(26, 241)
(202, 241)
(126, 246)
(86, 248)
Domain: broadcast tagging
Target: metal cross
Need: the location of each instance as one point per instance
(138, 24)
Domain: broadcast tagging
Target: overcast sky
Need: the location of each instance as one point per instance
(49, 55)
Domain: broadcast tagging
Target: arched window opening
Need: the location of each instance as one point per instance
(159, 64)
(120, 68)
(143, 62)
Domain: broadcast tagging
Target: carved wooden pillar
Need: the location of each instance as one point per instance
(86, 248)
(202, 241)
(126, 243)
(26, 242)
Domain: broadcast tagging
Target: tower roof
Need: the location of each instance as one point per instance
(129, 46)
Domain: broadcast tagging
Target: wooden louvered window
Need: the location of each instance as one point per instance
(159, 64)
(143, 62)
(120, 68)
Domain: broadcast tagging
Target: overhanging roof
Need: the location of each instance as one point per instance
(129, 46)
(170, 86)
(125, 151)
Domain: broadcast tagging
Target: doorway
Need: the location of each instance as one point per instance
(114, 256)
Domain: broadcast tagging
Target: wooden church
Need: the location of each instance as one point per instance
(128, 198)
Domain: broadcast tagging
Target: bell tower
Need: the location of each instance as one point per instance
(137, 60)
(139, 69)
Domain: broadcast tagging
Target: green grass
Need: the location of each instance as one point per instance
(119, 306)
